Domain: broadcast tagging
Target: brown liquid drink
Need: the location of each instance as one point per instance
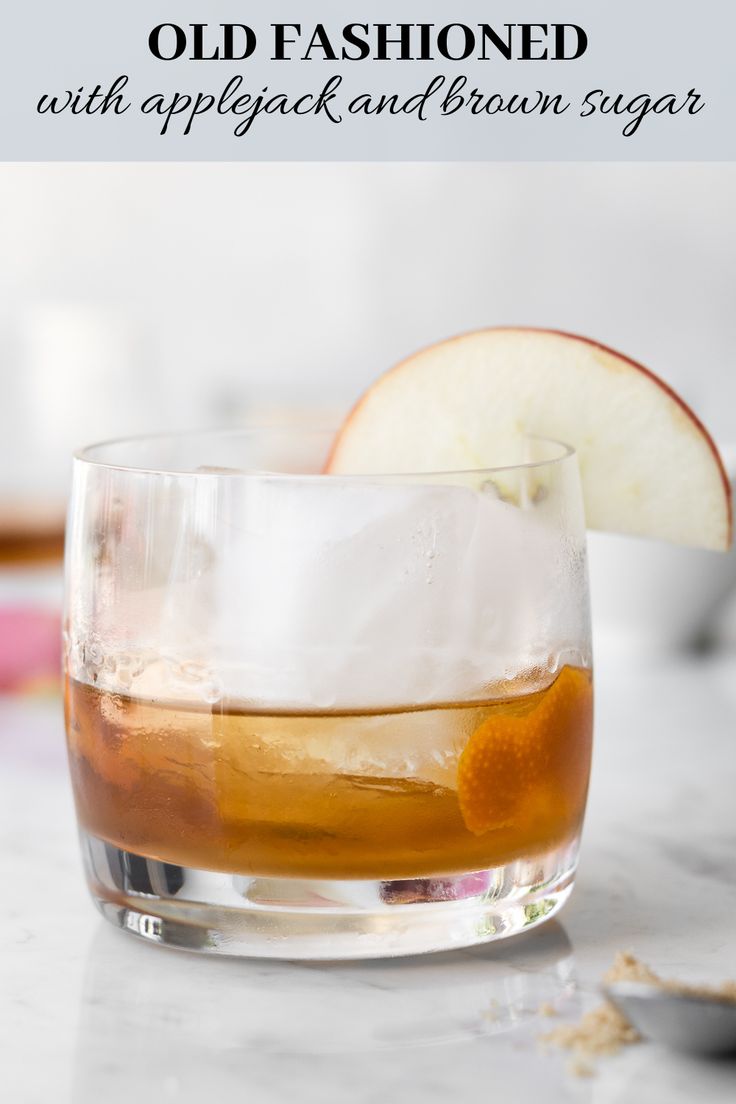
(326, 716)
(329, 693)
(375, 795)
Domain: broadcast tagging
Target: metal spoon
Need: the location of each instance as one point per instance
(699, 1024)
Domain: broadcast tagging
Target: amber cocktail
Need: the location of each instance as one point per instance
(320, 716)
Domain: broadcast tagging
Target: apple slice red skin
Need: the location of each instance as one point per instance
(609, 350)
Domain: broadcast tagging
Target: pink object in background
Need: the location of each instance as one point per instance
(30, 648)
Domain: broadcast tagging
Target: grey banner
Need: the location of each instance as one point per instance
(654, 80)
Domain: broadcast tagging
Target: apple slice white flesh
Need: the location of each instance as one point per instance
(648, 466)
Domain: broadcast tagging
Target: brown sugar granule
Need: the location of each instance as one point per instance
(600, 1032)
(628, 968)
(578, 1068)
(605, 1030)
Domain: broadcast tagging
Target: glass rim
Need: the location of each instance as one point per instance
(86, 455)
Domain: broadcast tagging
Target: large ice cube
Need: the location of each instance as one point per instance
(360, 594)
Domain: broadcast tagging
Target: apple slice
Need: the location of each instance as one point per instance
(647, 464)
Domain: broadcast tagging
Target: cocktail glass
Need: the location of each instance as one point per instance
(325, 716)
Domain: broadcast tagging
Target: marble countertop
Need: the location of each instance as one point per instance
(90, 1014)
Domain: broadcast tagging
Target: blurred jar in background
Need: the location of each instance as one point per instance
(651, 599)
(73, 373)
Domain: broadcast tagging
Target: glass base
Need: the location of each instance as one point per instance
(229, 914)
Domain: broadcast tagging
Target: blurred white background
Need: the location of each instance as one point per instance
(138, 297)
(162, 296)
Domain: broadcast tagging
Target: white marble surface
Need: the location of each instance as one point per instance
(89, 1014)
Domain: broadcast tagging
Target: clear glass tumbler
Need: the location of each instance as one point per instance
(325, 716)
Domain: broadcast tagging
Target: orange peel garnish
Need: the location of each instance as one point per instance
(531, 762)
